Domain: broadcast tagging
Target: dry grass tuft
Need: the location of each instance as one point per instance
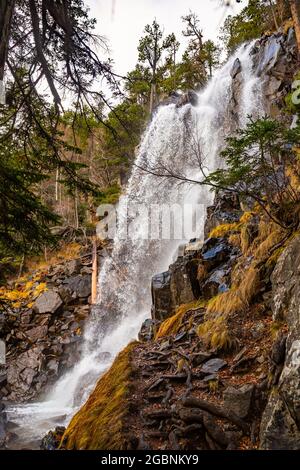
(238, 298)
(215, 334)
(171, 325)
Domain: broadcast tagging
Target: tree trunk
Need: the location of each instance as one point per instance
(294, 4)
(94, 272)
(76, 216)
(273, 14)
(152, 97)
(6, 13)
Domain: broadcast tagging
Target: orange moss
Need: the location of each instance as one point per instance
(238, 297)
(223, 229)
(101, 423)
(171, 325)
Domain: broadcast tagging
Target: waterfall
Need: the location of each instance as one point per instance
(125, 277)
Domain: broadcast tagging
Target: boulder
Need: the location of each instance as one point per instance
(225, 210)
(22, 371)
(47, 302)
(184, 285)
(34, 334)
(79, 285)
(161, 296)
(217, 283)
(52, 440)
(213, 365)
(73, 267)
(238, 400)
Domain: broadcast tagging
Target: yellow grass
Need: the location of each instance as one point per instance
(215, 334)
(101, 423)
(223, 230)
(172, 325)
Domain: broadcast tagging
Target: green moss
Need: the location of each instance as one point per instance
(101, 423)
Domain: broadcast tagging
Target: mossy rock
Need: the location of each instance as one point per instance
(101, 423)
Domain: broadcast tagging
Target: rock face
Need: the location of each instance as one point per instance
(182, 284)
(175, 287)
(226, 210)
(44, 341)
(280, 427)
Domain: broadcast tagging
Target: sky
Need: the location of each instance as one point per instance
(122, 22)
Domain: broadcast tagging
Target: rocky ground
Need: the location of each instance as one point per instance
(42, 323)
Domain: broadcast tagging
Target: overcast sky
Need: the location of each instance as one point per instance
(123, 21)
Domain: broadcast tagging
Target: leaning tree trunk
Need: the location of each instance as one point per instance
(6, 13)
(152, 97)
(295, 9)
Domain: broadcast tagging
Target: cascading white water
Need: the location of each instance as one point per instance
(125, 277)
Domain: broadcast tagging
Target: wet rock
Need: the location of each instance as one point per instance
(21, 372)
(52, 366)
(148, 330)
(213, 365)
(52, 440)
(161, 296)
(184, 285)
(238, 400)
(48, 302)
(225, 210)
(190, 97)
(193, 247)
(236, 68)
(217, 283)
(215, 251)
